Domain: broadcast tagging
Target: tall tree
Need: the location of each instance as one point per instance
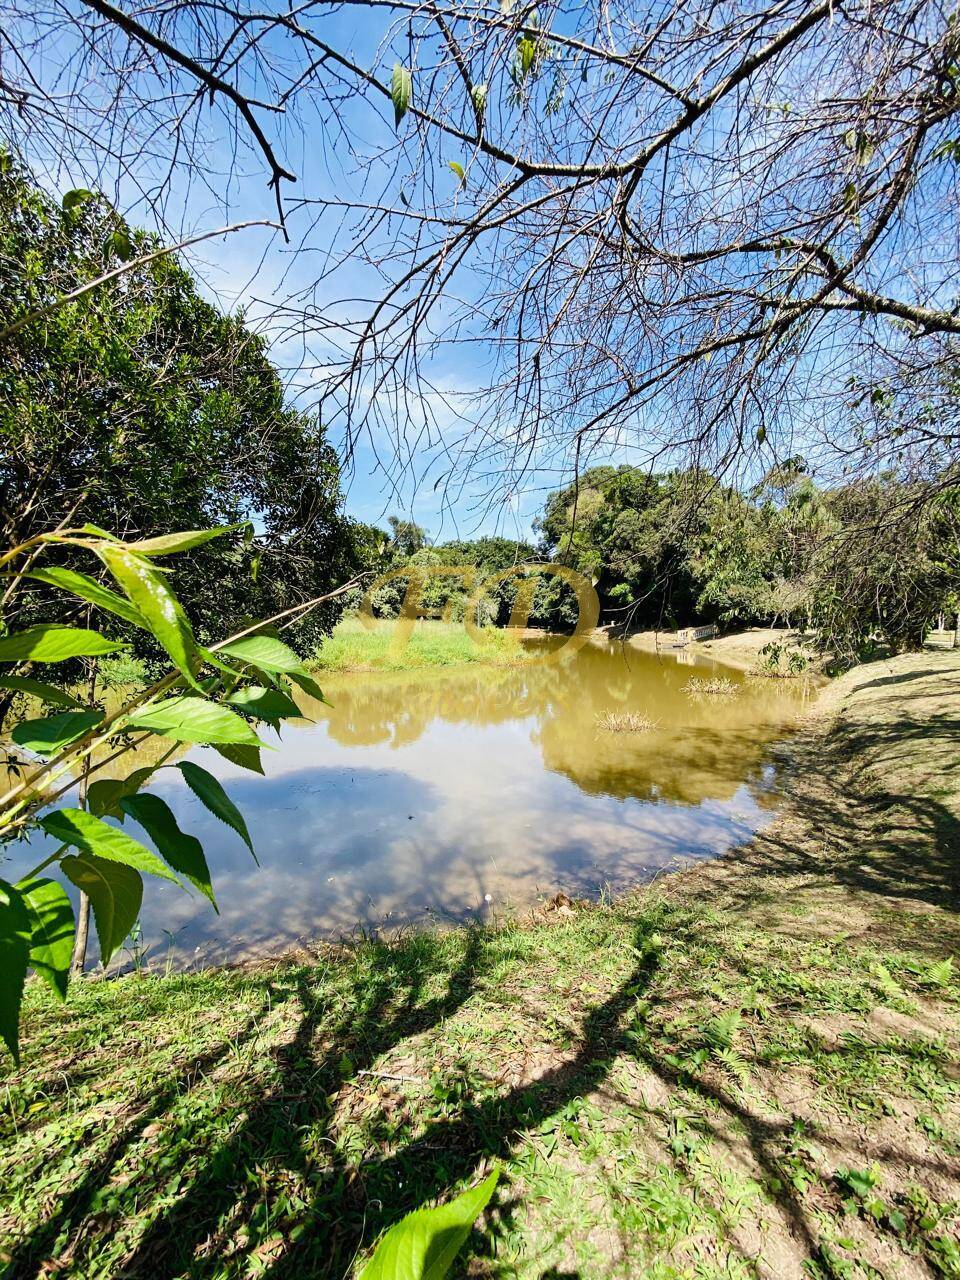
(143, 409)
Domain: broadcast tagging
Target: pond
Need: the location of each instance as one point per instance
(467, 793)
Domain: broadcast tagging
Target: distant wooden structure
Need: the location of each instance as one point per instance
(689, 634)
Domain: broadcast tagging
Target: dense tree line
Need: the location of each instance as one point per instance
(142, 408)
(859, 565)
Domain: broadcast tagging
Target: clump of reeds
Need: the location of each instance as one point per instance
(716, 687)
(625, 722)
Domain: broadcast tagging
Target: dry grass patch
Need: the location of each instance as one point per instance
(716, 687)
(625, 722)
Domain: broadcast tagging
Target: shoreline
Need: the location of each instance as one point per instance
(751, 1062)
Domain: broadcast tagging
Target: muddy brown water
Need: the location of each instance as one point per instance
(467, 793)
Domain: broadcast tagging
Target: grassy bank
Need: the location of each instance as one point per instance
(748, 1070)
(354, 647)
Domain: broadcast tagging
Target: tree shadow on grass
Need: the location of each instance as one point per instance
(31, 1252)
(859, 818)
(289, 1193)
(236, 1210)
(324, 1052)
(350, 1200)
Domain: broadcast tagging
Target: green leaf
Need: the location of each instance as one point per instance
(458, 170)
(423, 1245)
(115, 892)
(263, 651)
(121, 244)
(187, 719)
(162, 612)
(308, 685)
(526, 52)
(39, 689)
(209, 791)
(479, 95)
(213, 660)
(401, 91)
(104, 795)
(73, 199)
(49, 642)
(939, 974)
(265, 704)
(51, 931)
(14, 956)
(87, 588)
(183, 852)
(168, 544)
(90, 835)
(245, 757)
(49, 735)
(100, 533)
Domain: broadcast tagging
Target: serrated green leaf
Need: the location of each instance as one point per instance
(401, 91)
(115, 892)
(271, 705)
(87, 588)
(51, 931)
(147, 590)
(939, 974)
(209, 791)
(187, 719)
(308, 685)
(40, 689)
(104, 795)
(169, 544)
(50, 734)
(245, 757)
(423, 1245)
(14, 957)
(183, 852)
(89, 834)
(49, 642)
(263, 651)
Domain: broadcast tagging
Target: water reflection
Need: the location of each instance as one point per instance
(471, 790)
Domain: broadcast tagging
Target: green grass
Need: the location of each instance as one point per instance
(122, 670)
(352, 647)
(628, 1066)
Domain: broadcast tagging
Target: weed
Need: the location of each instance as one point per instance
(625, 722)
(716, 687)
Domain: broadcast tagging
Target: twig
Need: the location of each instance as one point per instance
(389, 1075)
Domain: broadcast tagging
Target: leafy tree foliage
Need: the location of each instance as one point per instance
(141, 408)
(677, 548)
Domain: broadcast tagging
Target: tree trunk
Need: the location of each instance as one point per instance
(80, 941)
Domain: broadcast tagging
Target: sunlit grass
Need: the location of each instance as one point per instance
(354, 647)
(620, 1062)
